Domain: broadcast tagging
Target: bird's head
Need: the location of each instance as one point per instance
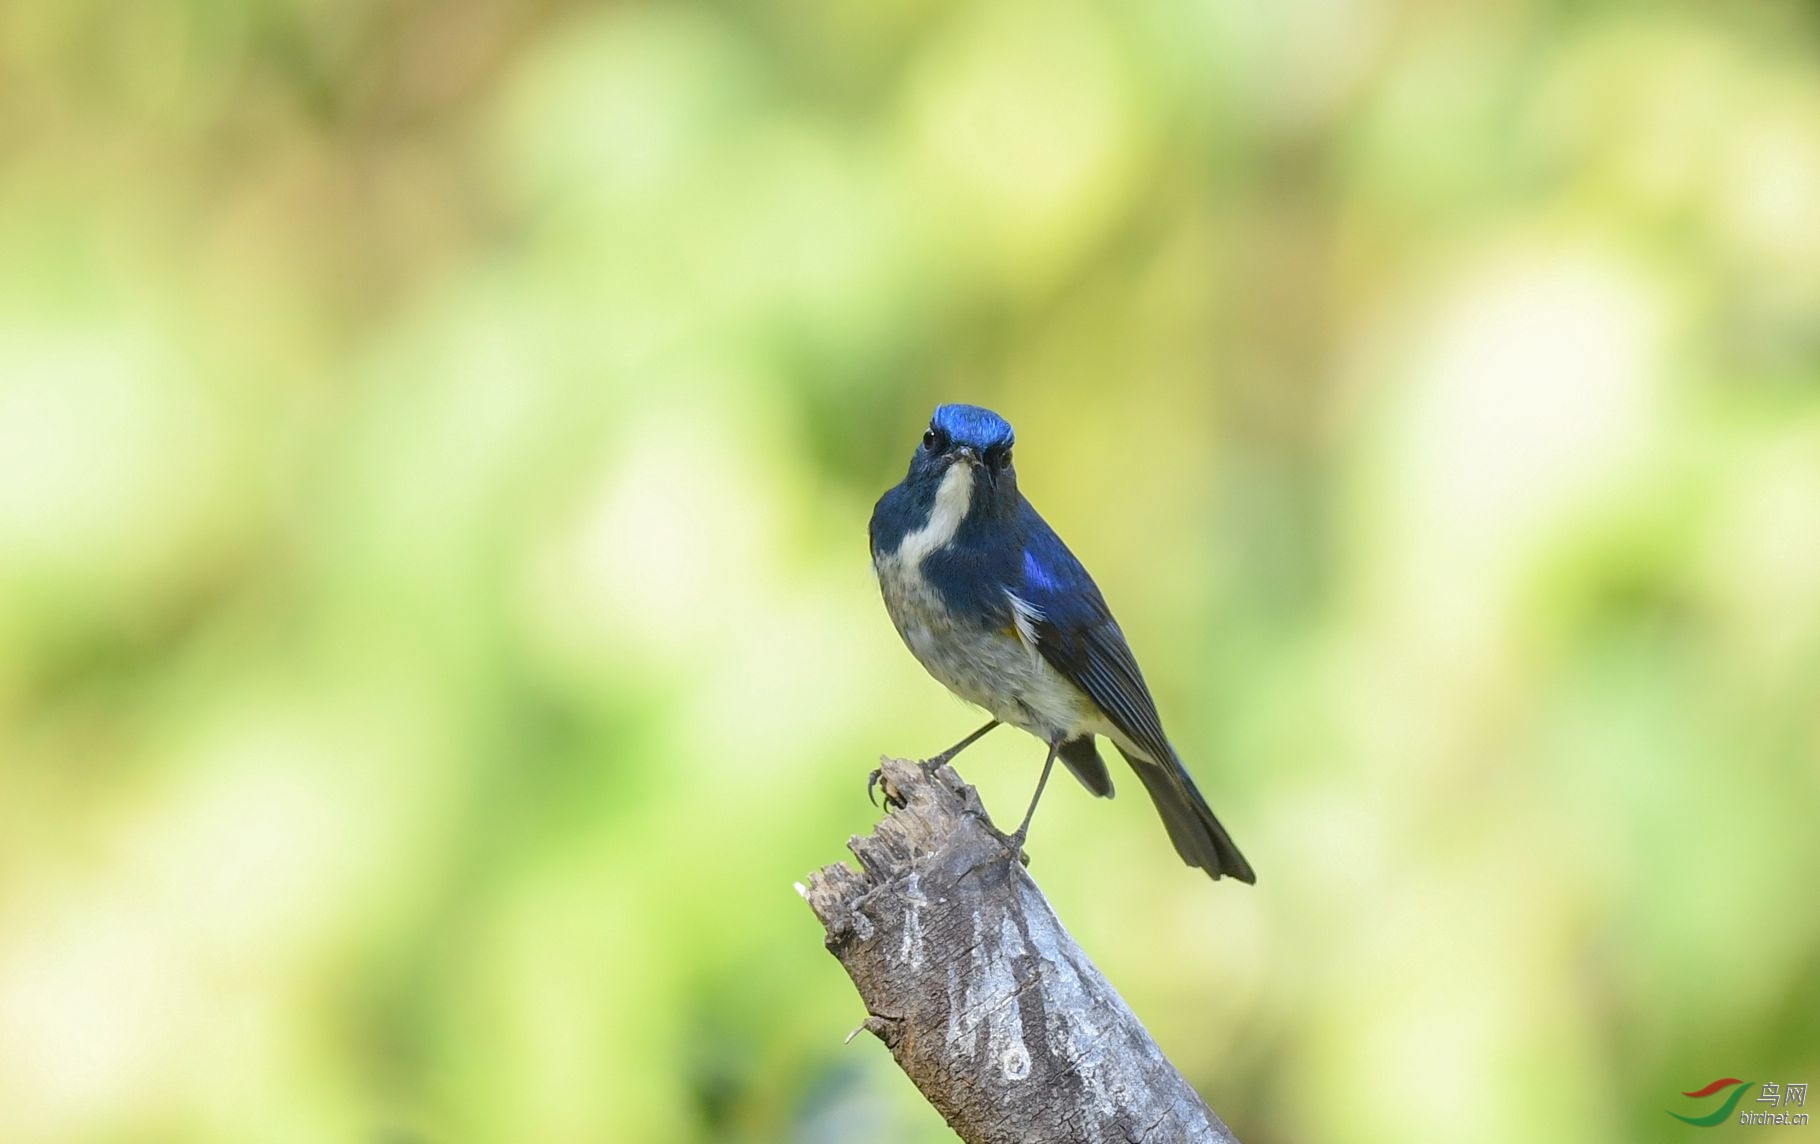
(967, 447)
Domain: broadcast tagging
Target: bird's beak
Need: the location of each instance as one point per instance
(965, 453)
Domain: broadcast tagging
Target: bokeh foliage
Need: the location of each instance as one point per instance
(435, 447)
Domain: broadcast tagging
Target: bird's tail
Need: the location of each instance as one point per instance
(1198, 836)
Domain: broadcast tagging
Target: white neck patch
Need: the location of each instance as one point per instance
(951, 501)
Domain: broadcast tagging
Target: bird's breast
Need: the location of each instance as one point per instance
(995, 666)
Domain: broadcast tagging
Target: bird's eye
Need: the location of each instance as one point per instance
(1001, 459)
(932, 440)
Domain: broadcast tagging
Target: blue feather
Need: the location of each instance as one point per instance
(973, 425)
(1080, 639)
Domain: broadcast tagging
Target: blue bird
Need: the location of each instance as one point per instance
(995, 607)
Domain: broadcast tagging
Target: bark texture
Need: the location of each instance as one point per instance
(983, 999)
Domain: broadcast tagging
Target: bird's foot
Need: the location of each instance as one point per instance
(1015, 844)
(875, 782)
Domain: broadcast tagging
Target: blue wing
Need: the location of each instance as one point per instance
(1076, 633)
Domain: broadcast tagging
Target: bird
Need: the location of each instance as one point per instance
(997, 608)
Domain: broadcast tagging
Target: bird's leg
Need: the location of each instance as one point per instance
(1023, 828)
(932, 765)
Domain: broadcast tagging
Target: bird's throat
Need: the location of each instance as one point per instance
(952, 498)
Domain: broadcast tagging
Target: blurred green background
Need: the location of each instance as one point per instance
(436, 442)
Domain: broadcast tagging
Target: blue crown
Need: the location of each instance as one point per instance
(972, 425)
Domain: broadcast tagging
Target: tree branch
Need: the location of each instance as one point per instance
(983, 999)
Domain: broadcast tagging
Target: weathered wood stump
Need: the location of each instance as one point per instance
(984, 1000)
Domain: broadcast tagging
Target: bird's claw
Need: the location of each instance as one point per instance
(1015, 844)
(877, 781)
